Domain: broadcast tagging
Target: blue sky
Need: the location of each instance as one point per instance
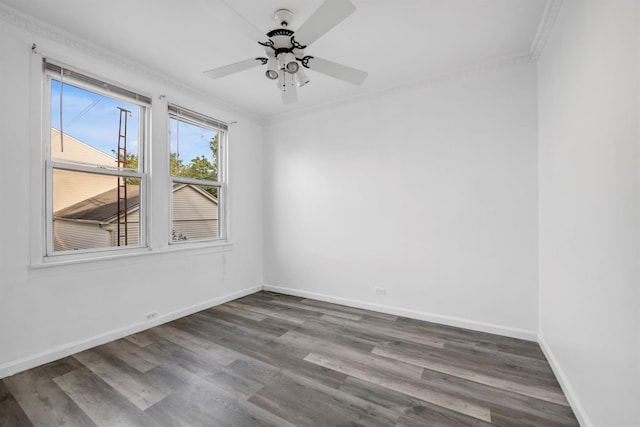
(190, 141)
(93, 119)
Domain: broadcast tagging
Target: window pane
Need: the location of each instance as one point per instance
(96, 127)
(93, 211)
(195, 212)
(194, 150)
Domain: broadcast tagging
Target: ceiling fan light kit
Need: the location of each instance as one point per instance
(272, 68)
(285, 49)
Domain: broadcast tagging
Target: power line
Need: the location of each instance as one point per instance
(86, 110)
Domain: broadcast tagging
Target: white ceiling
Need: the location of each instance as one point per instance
(394, 41)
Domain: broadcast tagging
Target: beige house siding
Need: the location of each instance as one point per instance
(195, 216)
(133, 230)
(190, 204)
(72, 187)
(73, 235)
(204, 229)
(70, 235)
(195, 213)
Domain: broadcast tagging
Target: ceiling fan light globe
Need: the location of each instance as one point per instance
(302, 82)
(271, 74)
(292, 67)
(301, 77)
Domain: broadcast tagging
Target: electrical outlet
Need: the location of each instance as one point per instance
(381, 291)
(151, 315)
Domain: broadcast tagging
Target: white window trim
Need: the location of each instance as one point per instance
(42, 167)
(221, 184)
(50, 166)
(39, 135)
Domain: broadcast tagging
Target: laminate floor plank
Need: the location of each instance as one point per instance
(261, 330)
(241, 311)
(386, 332)
(197, 344)
(497, 398)
(11, 413)
(319, 346)
(476, 372)
(364, 314)
(301, 406)
(505, 365)
(357, 340)
(269, 359)
(141, 339)
(201, 404)
(409, 407)
(512, 418)
(209, 402)
(132, 354)
(199, 364)
(201, 327)
(515, 360)
(283, 380)
(273, 356)
(299, 313)
(325, 311)
(412, 388)
(42, 400)
(266, 311)
(120, 376)
(104, 405)
(502, 343)
(277, 295)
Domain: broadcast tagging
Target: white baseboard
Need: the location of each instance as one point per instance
(413, 314)
(568, 390)
(15, 366)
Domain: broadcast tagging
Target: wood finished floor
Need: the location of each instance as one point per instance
(274, 360)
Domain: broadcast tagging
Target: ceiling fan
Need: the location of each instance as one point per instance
(285, 49)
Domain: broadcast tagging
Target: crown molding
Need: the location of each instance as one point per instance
(549, 16)
(547, 21)
(40, 28)
(411, 85)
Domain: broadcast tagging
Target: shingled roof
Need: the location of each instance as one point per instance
(102, 208)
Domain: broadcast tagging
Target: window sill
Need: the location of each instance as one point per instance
(131, 254)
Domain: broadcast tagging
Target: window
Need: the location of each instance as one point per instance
(94, 164)
(197, 146)
(91, 169)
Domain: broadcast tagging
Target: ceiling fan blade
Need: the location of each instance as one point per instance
(338, 71)
(328, 15)
(232, 19)
(234, 68)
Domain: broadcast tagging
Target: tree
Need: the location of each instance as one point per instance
(199, 167)
(130, 163)
(175, 165)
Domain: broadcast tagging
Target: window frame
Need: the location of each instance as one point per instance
(198, 119)
(87, 82)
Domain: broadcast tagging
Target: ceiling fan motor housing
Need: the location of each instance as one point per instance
(283, 17)
(283, 46)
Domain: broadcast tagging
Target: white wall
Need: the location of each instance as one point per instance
(428, 191)
(49, 312)
(589, 100)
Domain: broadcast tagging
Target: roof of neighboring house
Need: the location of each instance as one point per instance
(102, 208)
